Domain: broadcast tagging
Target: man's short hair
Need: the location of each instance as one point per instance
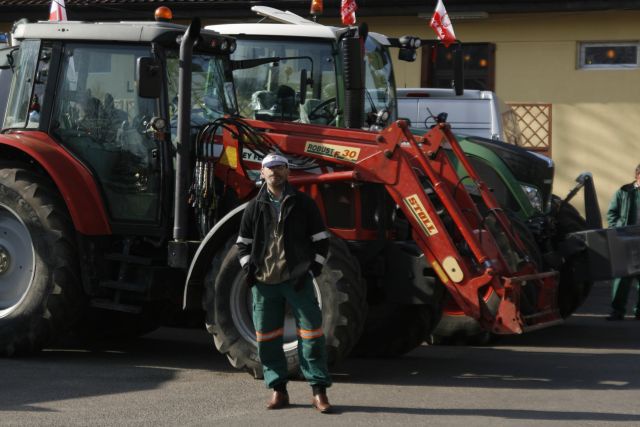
(637, 170)
(272, 160)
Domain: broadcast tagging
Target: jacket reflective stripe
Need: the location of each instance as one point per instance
(244, 240)
(268, 336)
(320, 259)
(319, 236)
(307, 334)
(244, 260)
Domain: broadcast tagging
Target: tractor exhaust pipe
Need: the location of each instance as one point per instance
(184, 130)
(353, 82)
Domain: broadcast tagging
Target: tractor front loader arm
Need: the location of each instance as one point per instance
(466, 253)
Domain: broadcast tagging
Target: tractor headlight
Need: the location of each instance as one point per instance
(534, 196)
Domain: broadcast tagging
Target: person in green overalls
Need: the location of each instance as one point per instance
(625, 210)
(282, 245)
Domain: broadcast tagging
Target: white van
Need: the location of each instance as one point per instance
(476, 112)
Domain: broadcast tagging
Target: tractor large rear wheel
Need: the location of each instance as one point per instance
(40, 294)
(341, 294)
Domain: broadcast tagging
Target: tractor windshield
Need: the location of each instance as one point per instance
(380, 96)
(272, 91)
(212, 91)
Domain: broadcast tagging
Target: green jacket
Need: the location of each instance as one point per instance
(618, 213)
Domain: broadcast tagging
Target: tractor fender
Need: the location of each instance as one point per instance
(212, 243)
(72, 179)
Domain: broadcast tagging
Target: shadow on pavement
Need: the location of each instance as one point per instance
(76, 370)
(513, 414)
(585, 353)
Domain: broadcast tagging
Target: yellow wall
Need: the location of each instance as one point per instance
(596, 113)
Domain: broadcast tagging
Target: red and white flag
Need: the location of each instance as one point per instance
(441, 24)
(58, 11)
(348, 12)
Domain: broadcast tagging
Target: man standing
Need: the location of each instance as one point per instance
(282, 242)
(625, 210)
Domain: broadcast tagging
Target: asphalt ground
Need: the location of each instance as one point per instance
(585, 372)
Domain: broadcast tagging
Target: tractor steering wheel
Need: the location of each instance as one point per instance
(322, 110)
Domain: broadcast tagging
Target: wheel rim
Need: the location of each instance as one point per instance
(242, 309)
(17, 260)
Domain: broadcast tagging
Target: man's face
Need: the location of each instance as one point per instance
(275, 176)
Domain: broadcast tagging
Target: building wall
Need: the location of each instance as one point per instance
(596, 113)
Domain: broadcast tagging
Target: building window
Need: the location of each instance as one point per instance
(608, 55)
(479, 65)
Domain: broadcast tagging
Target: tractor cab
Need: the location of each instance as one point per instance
(108, 94)
(276, 90)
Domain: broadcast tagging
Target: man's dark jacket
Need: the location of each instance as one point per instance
(306, 240)
(620, 206)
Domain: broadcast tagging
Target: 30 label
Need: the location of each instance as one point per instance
(350, 154)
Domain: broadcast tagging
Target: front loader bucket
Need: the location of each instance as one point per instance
(608, 252)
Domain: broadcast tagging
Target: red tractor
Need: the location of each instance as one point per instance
(124, 175)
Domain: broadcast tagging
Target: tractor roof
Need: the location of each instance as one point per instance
(101, 31)
(288, 25)
(290, 30)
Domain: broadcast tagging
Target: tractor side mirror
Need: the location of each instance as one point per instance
(6, 57)
(149, 77)
(409, 46)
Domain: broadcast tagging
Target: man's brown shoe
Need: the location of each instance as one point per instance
(279, 400)
(321, 403)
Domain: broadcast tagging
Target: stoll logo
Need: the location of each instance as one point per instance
(350, 154)
(420, 213)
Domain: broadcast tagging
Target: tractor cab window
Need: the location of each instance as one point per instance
(20, 96)
(272, 91)
(212, 92)
(100, 119)
(380, 100)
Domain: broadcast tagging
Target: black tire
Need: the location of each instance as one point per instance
(571, 292)
(342, 296)
(41, 295)
(456, 328)
(392, 330)
(529, 296)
